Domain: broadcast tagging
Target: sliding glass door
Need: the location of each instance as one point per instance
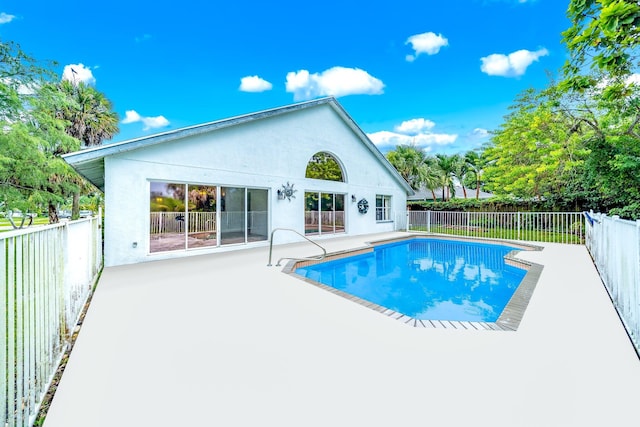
(201, 216)
(257, 215)
(190, 216)
(232, 215)
(324, 213)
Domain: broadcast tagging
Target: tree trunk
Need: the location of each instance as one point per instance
(433, 194)
(477, 188)
(53, 214)
(75, 207)
(464, 191)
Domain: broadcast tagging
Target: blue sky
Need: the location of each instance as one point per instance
(439, 74)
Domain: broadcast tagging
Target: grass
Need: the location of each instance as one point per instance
(504, 233)
(36, 221)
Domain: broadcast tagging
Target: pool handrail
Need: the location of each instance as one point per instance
(318, 258)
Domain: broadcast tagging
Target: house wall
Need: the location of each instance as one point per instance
(265, 153)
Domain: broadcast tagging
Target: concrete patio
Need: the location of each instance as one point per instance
(224, 340)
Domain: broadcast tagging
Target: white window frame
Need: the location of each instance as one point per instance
(383, 212)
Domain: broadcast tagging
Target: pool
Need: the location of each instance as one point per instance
(433, 281)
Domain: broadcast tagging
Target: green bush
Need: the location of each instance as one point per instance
(494, 204)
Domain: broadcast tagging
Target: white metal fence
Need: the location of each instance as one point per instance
(560, 227)
(46, 276)
(173, 222)
(614, 245)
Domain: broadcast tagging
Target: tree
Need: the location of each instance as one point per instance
(476, 163)
(89, 113)
(538, 153)
(432, 176)
(599, 94)
(604, 35)
(461, 172)
(32, 176)
(447, 166)
(411, 163)
(19, 76)
(90, 118)
(324, 166)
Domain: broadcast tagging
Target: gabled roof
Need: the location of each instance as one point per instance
(90, 162)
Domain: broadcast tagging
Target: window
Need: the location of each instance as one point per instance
(383, 208)
(324, 166)
(188, 216)
(324, 213)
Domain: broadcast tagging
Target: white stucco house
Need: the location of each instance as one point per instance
(227, 184)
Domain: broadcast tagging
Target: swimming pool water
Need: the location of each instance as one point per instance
(427, 279)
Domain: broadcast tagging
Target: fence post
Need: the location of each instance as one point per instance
(407, 226)
(428, 221)
(518, 225)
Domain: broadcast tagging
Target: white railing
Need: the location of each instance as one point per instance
(560, 227)
(614, 245)
(46, 275)
(173, 222)
(330, 221)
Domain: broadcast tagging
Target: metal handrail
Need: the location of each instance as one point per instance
(318, 258)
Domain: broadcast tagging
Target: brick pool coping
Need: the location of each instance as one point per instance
(509, 319)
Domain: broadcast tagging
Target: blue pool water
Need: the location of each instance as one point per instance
(427, 278)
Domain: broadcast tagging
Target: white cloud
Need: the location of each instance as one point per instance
(415, 126)
(429, 43)
(480, 133)
(131, 116)
(254, 84)
(412, 132)
(78, 73)
(5, 18)
(513, 65)
(422, 139)
(336, 81)
(23, 89)
(633, 79)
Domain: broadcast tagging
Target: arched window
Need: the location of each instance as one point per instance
(324, 166)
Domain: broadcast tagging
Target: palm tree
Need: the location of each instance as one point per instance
(90, 119)
(431, 176)
(89, 113)
(461, 173)
(447, 166)
(476, 163)
(409, 161)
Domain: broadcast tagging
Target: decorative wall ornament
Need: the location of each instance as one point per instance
(286, 192)
(363, 206)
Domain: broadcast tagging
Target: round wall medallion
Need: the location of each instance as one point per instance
(363, 206)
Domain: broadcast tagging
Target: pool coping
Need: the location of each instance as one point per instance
(509, 319)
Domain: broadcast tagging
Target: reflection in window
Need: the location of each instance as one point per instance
(383, 208)
(168, 214)
(202, 216)
(324, 213)
(324, 166)
(189, 216)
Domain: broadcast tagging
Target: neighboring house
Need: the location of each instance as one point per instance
(425, 194)
(229, 183)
